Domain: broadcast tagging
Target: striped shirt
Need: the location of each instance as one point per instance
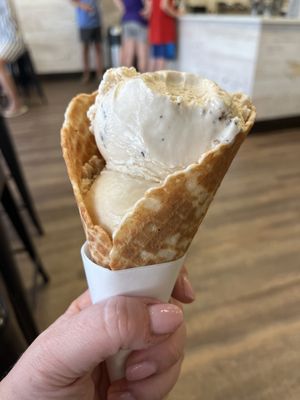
(11, 41)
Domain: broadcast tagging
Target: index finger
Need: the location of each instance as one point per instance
(79, 304)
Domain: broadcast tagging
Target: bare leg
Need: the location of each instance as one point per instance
(142, 56)
(152, 64)
(157, 64)
(160, 64)
(99, 60)
(9, 88)
(128, 51)
(86, 62)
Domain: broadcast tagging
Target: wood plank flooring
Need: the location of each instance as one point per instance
(244, 328)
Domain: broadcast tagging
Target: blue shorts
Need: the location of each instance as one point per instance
(166, 51)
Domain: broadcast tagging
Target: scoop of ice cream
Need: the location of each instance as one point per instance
(112, 195)
(148, 126)
(153, 124)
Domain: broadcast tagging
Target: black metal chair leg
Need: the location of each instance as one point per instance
(15, 289)
(15, 217)
(35, 78)
(10, 155)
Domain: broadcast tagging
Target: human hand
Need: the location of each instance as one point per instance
(181, 11)
(66, 360)
(145, 13)
(120, 6)
(86, 7)
(146, 10)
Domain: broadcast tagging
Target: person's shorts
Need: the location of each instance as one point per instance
(90, 35)
(134, 30)
(166, 51)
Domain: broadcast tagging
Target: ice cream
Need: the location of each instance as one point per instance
(144, 166)
(122, 190)
(147, 161)
(148, 126)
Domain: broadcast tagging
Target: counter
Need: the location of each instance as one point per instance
(50, 30)
(259, 56)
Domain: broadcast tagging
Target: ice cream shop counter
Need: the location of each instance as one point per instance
(259, 56)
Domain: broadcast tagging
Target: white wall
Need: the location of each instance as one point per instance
(50, 30)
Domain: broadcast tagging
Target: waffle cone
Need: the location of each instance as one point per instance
(162, 224)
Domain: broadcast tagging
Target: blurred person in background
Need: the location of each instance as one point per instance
(11, 48)
(162, 31)
(88, 18)
(134, 33)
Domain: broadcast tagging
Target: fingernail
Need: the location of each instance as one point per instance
(120, 396)
(188, 289)
(164, 318)
(140, 371)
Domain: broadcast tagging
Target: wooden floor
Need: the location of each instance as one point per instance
(244, 327)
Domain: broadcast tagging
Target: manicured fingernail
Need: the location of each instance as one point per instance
(140, 371)
(120, 396)
(188, 289)
(165, 318)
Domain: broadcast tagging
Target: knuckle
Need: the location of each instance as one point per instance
(184, 332)
(73, 307)
(117, 320)
(175, 352)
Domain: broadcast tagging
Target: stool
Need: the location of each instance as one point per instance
(26, 77)
(13, 283)
(12, 342)
(9, 153)
(9, 205)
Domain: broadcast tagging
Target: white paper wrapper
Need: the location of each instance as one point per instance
(156, 281)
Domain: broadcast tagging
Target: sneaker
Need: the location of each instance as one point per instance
(85, 78)
(15, 113)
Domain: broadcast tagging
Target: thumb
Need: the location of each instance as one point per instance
(79, 342)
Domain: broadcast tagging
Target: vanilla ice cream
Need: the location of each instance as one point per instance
(147, 126)
(121, 193)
